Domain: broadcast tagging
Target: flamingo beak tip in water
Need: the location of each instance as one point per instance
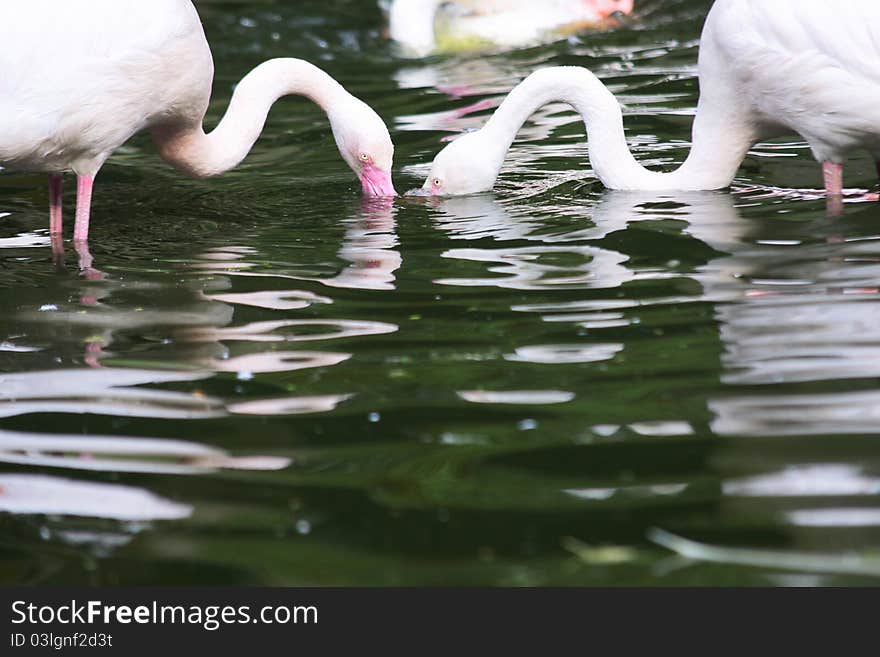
(376, 182)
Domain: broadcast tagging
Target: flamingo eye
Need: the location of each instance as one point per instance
(365, 157)
(437, 182)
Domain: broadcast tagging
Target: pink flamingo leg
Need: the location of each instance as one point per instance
(833, 174)
(57, 250)
(84, 186)
(56, 182)
(86, 267)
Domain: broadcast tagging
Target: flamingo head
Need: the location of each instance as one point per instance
(606, 8)
(364, 143)
(468, 165)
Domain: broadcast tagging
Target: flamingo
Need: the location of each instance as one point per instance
(502, 23)
(79, 78)
(765, 69)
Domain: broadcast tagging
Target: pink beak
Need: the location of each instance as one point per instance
(376, 182)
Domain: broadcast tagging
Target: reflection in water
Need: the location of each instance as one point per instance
(826, 480)
(272, 299)
(788, 311)
(560, 354)
(527, 397)
(292, 330)
(815, 414)
(799, 562)
(523, 268)
(24, 240)
(38, 494)
(370, 245)
(198, 323)
(275, 361)
(289, 405)
(534, 267)
(120, 392)
(104, 392)
(125, 454)
(843, 517)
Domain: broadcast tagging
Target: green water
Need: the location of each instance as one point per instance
(265, 380)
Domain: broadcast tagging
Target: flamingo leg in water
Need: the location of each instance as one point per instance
(877, 164)
(84, 186)
(57, 251)
(56, 182)
(833, 176)
(86, 268)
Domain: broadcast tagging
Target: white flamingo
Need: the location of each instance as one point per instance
(79, 78)
(765, 68)
(415, 24)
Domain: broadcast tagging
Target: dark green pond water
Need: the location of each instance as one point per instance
(265, 380)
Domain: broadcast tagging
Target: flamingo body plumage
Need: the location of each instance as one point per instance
(79, 78)
(425, 26)
(766, 69)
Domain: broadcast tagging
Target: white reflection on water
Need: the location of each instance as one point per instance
(25, 240)
(39, 494)
(125, 454)
(843, 517)
(104, 391)
(806, 481)
(287, 330)
(662, 429)
(534, 268)
(272, 299)
(276, 361)
(370, 245)
(565, 353)
(525, 397)
(117, 391)
(289, 405)
(604, 494)
(812, 414)
(807, 562)
(787, 312)
(8, 346)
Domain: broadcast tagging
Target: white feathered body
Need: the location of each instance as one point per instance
(79, 77)
(423, 26)
(806, 66)
(511, 23)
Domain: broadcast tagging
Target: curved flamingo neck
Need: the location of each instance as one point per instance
(717, 151)
(201, 155)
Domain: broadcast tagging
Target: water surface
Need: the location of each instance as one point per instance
(264, 379)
